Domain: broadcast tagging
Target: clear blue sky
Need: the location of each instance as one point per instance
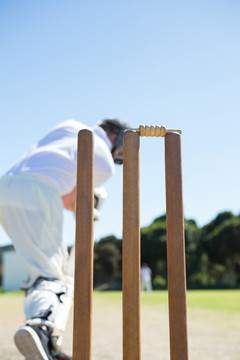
(172, 63)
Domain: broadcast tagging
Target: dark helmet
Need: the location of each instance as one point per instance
(119, 126)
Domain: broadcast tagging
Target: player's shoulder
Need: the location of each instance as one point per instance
(72, 124)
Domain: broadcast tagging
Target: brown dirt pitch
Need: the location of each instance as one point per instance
(213, 335)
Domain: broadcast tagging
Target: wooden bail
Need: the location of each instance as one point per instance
(154, 130)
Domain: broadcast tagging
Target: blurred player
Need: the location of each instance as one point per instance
(33, 194)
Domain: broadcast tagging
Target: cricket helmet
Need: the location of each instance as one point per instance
(116, 125)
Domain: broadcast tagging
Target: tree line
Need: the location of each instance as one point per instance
(212, 254)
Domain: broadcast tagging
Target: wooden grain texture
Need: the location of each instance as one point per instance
(131, 248)
(82, 327)
(176, 249)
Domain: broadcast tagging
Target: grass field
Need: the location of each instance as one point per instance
(213, 325)
(220, 300)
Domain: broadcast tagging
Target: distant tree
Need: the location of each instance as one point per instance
(212, 253)
(153, 246)
(222, 244)
(192, 248)
(1, 267)
(220, 218)
(107, 257)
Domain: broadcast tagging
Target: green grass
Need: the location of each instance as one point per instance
(220, 300)
(12, 293)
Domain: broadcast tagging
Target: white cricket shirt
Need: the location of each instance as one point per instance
(55, 157)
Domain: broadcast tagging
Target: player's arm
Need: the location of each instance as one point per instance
(69, 200)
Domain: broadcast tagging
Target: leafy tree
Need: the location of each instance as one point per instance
(212, 253)
(107, 257)
(222, 244)
(220, 218)
(154, 246)
(192, 248)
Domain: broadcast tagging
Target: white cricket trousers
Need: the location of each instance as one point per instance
(31, 212)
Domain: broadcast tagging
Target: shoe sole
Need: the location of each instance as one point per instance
(29, 344)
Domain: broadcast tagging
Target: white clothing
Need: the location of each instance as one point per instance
(146, 282)
(49, 299)
(146, 273)
(31, 212)
(55, 157)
